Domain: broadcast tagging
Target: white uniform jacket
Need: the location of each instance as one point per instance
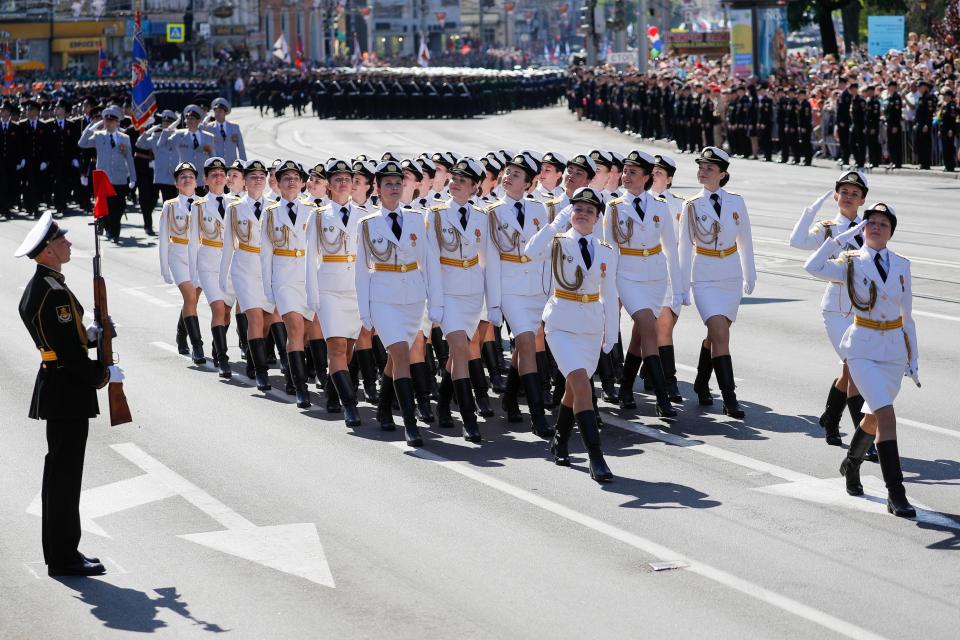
(332, 251)
(206, 234)
(396, 281)
(174, 228)
(241, 235)
(463, 253)
(283, 245)
(709, 241)
(625, 231)
(516, 272)
(804, 236)
(561, 250)
(894, 299)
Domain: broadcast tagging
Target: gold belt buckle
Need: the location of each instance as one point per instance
(299, 253)
(584, 298)
(646, 252)
(403, 268)
(524, 259)
(351, 258)
(466, 264)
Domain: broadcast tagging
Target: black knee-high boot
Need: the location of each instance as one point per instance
(468, 416)
(478, 381)
(298, 372)
(616, 355)
(509, 402)
(343, 386)
(723, 367)
(561, 436)
(631, 366)
(557, 381)
(543, 374)
(308, 360)
(669, 361)
(432, 368)
(368, 373)
(385, 405)
(279, 332)
(333, 395)
(653, 365)
(538, 421)
(403, 387)
(850, 467)
(270, 348)
(608, 380)
(242, 333)
(488, 353)
(258, 357)
(833, 411)
(897, 502)
(192, 324)
(420, 375)
(318, 349)
(444, 417)
(223, 358)
(587, 422)
(379, 352)
(182, 347)
(440, 347)
(701, 384)
(855, 408)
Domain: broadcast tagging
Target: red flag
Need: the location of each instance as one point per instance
(7, 69)
(102, 189)
(299, 59)
(102, 63)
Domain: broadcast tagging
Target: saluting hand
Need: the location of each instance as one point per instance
(815, 207)
(850, 234)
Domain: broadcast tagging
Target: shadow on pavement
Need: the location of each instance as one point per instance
(131, 610)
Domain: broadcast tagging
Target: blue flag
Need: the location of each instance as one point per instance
(141, 85)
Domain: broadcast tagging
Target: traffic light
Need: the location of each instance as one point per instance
(619, 19)
(587, 10)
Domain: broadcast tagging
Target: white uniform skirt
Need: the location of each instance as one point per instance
(396, 322)
(574, 351)
(718, 298)
(210, 283)
(178, 257)
(668, 302)
(339, 314)
(641, 294)
(246, 277)
(836, 325)
(523, 313)
(877, 381)
(292, 297)
(461, 313)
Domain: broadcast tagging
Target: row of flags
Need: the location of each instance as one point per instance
(281, 51)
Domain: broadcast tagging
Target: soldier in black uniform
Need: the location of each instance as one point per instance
(804, 117)
(923, 124)
(9, 159)
(894, 117)
(843, 120)
(61, 144)
(858, 126)
(787, 115)
(64, 394)
(33, 158)
(948, 130)
(765, 123)
(872, 127)
(708, 116)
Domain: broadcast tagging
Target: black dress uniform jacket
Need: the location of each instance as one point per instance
(68, 379)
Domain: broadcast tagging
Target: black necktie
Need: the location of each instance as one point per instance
(344, 215)
(716, 203)
(220, 208)
(858, 238)
(585, 252)
(196, 143)
(317, 201)
(112, 142)
(291, 213)
(636, 207)
(463, 217)
(256, 209)
(189, 203)
(395, 227)
(223, 133)
(519, 206)
(877, 260)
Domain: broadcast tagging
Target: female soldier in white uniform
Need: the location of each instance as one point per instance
(175, 253)
(581, 318)
(523, 287)
(331, 281)
(880, 347)
(714, 232)
(397, 273)
(207, 243)
(460, 232)
(849, 192)
(284, 240)
(240, 262)
(639, 226)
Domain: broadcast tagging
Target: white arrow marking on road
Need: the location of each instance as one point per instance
(291, 548)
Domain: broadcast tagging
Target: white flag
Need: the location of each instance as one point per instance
(280, 49)
(424, 56)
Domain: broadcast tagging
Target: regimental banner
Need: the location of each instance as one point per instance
(144, 100)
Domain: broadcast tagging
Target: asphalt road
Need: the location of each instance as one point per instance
(224, 510)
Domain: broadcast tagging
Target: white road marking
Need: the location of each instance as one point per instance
(291, 548)
(929, 427)
(652, 548)
(146, 297)
(689, 369)
(938, 316)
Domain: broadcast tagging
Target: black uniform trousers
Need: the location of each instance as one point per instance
(949, 147)
(895, 146)
(32, 187)
(116, 205)
(9, 189)
(60, 494)
(843, 135)
(924, 146)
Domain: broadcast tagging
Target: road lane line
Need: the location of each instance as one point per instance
(146, 297)
(652, 548)
(929, 427)
(938, 316)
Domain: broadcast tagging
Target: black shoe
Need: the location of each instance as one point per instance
(850, 467)
(833, 411)
(701, 385)
(464, 393)
(587, 422)
(298, 373)
(445, 396)
(561, 437)
(631, 366)
(897, 502)
(723, 367)
(343, 386)
(538, 421)
(478, 382)
(196, 341)
(403, 388)
(509, 402)
(385, 406)
(150, 232)
(80, 567)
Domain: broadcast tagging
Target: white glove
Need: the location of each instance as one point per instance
(850, 234)
(84, 180)
(151, 164)
(93, 333)
(75, 163)
(132, 184)
(686, 299)
(22, 164)
(495, 316)
(748, 286)
(435, 314)
(43, 166)
(116, 373)
(167, 278)
(815, 207)
(367, 323)
(562, 221)
(913, 373)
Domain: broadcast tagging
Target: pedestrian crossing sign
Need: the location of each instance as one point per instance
(175, 31)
